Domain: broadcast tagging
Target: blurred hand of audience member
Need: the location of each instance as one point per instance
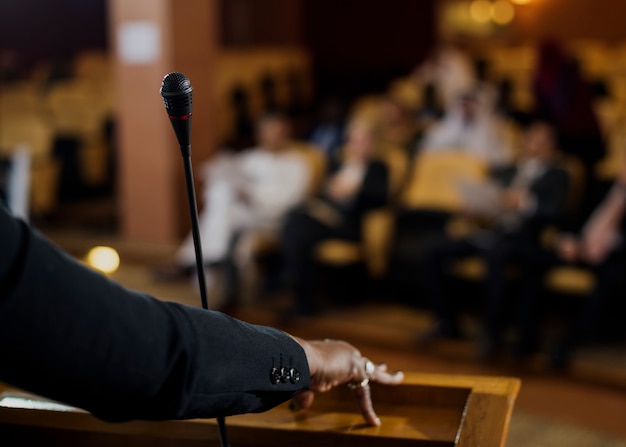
(514, 199)
(341, 188)
(597, 242)
(568, 248)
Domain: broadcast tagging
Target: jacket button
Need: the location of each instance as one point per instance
(294, 375)
(284, 374)
(275, 376)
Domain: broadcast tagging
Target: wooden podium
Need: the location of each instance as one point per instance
(426, 410)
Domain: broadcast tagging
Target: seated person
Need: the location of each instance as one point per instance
(532, 196)
(354, 185)
(471, 127)
(247, 192)
(599, 246)
(398, 127)
(328, 133)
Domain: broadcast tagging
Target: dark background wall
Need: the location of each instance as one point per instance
(43, 29)
(358, 46)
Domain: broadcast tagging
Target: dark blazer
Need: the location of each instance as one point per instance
(72, 335)
(550, 191)
(373, 193)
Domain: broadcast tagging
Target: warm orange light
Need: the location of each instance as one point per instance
(104, 259)
(502, 12)
(521, 2)
(480, 11)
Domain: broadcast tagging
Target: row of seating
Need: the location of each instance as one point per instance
(428, 183)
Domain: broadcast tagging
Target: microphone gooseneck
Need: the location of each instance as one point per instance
(176, 91)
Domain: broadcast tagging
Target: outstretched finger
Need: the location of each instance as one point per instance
(381, 375)
(364, 400)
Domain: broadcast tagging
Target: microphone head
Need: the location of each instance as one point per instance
(176, 91)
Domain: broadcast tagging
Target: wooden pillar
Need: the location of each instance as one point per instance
(151, 38)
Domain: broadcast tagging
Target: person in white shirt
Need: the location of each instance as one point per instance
(247, 193)
(470, 126)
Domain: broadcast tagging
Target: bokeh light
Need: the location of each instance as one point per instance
(502, 12)
(480, 11)
(521, 2)
(105, 259)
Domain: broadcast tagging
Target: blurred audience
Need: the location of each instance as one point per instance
(531, 196)
(470, 126)
(355, 183)
(398, 125)
(246, 193)
(565, 98)
(598, 246)
(450, 70)
(328, 132)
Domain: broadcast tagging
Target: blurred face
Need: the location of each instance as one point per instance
(360, 142)
(539, 142)
(468, 109)
(392, 113)
(273, 134)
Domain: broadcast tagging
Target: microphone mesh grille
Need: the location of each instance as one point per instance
(176, 92)
(176, 83)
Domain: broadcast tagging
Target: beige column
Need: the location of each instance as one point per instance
(151, 38)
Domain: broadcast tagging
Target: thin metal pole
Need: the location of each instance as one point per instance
(197, 244)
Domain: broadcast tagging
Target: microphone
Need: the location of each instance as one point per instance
(176, 91)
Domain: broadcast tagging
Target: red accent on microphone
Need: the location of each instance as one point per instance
(180, 118)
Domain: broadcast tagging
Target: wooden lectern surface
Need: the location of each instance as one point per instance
(426, 410)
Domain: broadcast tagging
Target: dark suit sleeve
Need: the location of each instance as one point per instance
(550, 193)
(72, 335)
(374, 191)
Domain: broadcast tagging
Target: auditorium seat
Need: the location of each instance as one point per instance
(33, 132)
(433, 177)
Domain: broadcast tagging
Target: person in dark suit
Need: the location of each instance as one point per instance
(356, 184)
(531, 197)
(597, 245)
(72, 335)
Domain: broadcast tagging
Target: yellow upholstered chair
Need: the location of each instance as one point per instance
(432, 186)
(433, 177)
(79, 108)
(316, 161)
(34, 133)
(436, 195)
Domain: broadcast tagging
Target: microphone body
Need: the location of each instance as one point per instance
(176, 91)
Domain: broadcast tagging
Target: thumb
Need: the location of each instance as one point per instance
(302, 401)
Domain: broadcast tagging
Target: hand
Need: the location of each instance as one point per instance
(568, 248)
(513, 199)
(333, 363)
(597, 244)
(339, 189)
(243, 195)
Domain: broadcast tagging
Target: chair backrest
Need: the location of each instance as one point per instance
(433, 180)
(314, 157)
(30, 130)
(396, 160)
(577, 183)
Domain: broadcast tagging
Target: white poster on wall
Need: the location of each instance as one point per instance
(138, 42)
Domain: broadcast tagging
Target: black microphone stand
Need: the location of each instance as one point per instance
(176, 91)
(197, 243)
